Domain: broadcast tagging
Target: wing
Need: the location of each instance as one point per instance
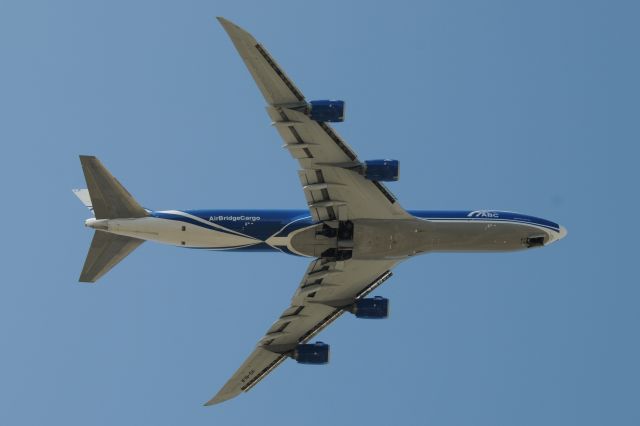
(326, 291)
(332, 190)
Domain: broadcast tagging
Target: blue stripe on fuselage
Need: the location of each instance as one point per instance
(484, 215)
(179, 218)
(260, 224)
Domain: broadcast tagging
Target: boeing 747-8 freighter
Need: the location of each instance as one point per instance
(353, 229)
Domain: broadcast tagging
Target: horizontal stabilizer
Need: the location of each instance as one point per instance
(109, 199)
(106, 251)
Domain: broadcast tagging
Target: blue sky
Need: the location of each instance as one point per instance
(524, 106)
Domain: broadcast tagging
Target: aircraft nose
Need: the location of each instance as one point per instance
(562, 234)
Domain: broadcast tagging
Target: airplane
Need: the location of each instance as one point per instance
(353, 229)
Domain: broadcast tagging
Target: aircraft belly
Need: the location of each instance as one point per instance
(178, 233)
(390, 239)
(475, 236)
(396, 239)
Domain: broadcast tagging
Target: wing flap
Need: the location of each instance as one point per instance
(304, 130)
(322, 155)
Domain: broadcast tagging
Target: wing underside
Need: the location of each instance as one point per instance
(333, 190)
(327, 289)
(335, 193)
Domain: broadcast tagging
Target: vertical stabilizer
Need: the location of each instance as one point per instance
(84, 197)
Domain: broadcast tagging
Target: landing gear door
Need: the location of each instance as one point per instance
(315, 241)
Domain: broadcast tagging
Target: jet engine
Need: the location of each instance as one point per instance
(312, 353)
(381, 170)
(371, 308)
(331, 111)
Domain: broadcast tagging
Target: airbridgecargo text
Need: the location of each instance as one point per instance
(234, 218)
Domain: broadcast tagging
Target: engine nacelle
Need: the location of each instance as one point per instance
(371, 308)
(312, 353)
(382, 170)
(331, 111)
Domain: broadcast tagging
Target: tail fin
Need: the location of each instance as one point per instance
(108, 199)
(106, 251)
